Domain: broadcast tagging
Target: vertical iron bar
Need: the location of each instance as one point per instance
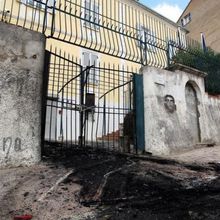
(19, 8)
(109, 98)
(81, 106)
(104, 117)
(11, 11)
(52, 78)
(57, 72)
(134, 116)
(45, 18)
(66, 69)
(86, 111)
(71, 109)
(53, 19)
(119, 108)
(124, 106)
(44, 98)
(145, 48)
(76, 106)
(113, 109)
(62, 104)
(61, 121)
(168, 54)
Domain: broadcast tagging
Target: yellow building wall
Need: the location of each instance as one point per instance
(123, 16)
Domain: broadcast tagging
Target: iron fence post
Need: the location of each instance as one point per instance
(168, 54)
(141, 51)
(53, 19)
(45, 18)
(134, 114)
(81, 106)
(44, 98)
(145, 48)
(104, 117)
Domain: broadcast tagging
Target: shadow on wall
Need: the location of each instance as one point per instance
(179, 115)
(192, 95)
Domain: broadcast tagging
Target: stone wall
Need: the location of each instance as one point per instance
(21, 74)
(178, 113)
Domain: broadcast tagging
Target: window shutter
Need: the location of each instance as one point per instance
(94, 59)
(87, 10)
(138, 33)
(93, 73)
(96, 15)
(143, 33)
(86, 59)
(30, 2)
(138, 29)
(91, 60)
(50, 3)
(39, 4)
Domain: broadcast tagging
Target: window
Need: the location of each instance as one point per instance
(147, 38)
(30, 2)
(40, 4)
(33, 3)
(172, 49)
(186, 19)
(90, 59)
(91, 15)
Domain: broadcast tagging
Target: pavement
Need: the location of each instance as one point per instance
(200, 156)
(97, 185)
(39, 191)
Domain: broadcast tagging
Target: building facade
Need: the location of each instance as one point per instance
(203, 16)
(113, 38)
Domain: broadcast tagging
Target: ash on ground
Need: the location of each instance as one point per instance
(103, 185)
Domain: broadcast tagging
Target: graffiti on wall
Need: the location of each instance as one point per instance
(10, 144)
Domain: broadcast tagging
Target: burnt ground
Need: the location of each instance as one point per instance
(101, 185)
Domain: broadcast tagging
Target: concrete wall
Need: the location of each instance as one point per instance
(170, 130)
(21, 72)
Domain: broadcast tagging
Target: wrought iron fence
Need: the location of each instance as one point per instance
(188, 47)
(110, 27)
(87, 105)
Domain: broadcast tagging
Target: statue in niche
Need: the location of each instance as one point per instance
(169, 103)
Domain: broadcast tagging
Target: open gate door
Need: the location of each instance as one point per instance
(88, 106)
(139, 111)
(63, 102)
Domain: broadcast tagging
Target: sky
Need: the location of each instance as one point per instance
(171, 9)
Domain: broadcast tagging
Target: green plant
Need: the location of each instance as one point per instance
(208, 62)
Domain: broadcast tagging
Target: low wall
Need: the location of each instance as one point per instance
(21, 71)
(174, 121)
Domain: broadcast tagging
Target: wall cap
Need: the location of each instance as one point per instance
(178, 66)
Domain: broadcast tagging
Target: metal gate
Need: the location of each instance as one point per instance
(87, 106)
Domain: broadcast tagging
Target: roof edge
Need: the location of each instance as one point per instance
(184, 11)
(158, 14)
